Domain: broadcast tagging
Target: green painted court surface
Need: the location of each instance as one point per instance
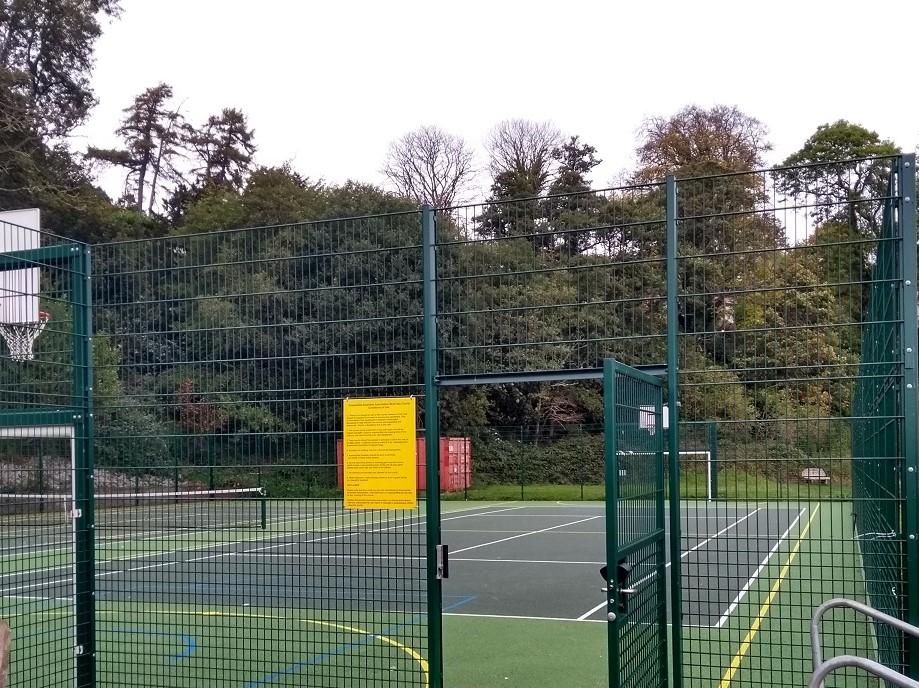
(523, 605)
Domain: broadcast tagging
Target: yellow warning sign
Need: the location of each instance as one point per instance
(379, 453)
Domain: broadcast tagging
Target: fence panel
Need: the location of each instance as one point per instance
(45, 471)
(220, 548)
(788, 280)
(223, 360)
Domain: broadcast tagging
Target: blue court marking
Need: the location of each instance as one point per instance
(462, 602)
(189, 642)
(315, 660)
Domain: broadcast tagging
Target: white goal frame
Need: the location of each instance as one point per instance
(66, 432)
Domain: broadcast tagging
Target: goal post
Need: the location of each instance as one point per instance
(701, 458)
(67, 433)
(647, 421)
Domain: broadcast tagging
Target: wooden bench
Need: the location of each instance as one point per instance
(815, 475)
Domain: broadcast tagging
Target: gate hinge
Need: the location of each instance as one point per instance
(443, 562)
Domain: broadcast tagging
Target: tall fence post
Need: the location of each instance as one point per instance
(82, 476)
(673, 358)
(432, 446)
(713, 459)
(910, 344)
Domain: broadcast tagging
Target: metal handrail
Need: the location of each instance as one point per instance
(875, 668)
(822, 668)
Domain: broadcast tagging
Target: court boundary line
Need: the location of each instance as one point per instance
(526, 534)
(735, 603)
(523, 618)
(161, 534)
(683, 555)
(763, 612)
(384, 557)
(141, 555)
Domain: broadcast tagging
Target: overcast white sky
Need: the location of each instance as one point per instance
(328, 84)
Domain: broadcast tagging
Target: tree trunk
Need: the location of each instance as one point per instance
(141, 178)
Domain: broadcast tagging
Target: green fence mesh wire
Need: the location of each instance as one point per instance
(45, 576)
(636, 536)
(877, 437)
(222, 363)
(776, 271)
(221, 359)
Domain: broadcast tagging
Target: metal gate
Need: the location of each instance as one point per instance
(46, 473)
(635, 532)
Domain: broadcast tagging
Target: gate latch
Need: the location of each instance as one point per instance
(443, 562)
(623, 570)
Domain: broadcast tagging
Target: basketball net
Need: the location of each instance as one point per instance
(20, 337)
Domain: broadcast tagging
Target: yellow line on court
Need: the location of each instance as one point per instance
(411, 652)
(764, 609)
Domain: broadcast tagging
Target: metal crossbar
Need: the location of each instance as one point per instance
(823, 668)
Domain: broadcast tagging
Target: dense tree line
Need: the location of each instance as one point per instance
(603, 251)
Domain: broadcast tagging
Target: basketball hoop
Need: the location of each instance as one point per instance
(20, 337)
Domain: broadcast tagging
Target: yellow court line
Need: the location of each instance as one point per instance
(411, 652)
(764, 609)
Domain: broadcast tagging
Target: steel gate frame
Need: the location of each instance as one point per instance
(77, 419)
(433, 381)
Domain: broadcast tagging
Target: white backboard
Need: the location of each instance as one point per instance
(647, 418)
(19, 231)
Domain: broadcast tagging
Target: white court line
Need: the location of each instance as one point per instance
(297, 555)
(192, 548)
(37, 598)
(549, 618)
(45, 583)
(526, 561)
(172, 534)
(525, 618)
(746, 588)
(532, 532)
(377, 530)
(396, 557)
(697, 546)
(567, 532)
(324, 538)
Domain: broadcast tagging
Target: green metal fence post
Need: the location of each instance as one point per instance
(611, 479)
(210, 462)
(661, 523)
(910, 344)
(673, 324)
(713, 459)
(84, 544)
(432, 447)
(40, 478)
(520, 468)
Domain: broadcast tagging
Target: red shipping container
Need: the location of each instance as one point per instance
(455, 463)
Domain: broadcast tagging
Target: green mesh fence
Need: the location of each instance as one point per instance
(636, 541)
(222, 363)
(780, 303)
(791, 320)
(878, 440)
(46, 555)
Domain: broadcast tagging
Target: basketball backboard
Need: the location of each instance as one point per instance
(647, 418)
(19, 289)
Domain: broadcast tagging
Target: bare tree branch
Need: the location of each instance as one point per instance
(430, 166)
(520, 151)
